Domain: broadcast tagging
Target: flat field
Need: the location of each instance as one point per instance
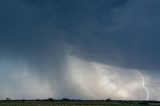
(77, 103)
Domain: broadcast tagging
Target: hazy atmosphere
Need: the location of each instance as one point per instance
(80, 49)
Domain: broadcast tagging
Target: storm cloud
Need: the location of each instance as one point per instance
(80, 49)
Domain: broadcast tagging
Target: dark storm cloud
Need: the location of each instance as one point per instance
(28, 36)
(114, 32)
(120, 33)
(26, 33)
(83, 21)
(39, 30)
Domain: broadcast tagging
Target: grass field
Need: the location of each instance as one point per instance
(76, 103)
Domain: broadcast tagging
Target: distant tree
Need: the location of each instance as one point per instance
(50, 99)
(8, 99)
(65, 99)
(108, 99)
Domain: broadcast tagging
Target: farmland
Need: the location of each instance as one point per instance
(77, 103)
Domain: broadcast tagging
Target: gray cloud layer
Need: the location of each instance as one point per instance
(120, 30)
(46, 34)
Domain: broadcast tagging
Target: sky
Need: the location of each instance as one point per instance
(80, 49)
